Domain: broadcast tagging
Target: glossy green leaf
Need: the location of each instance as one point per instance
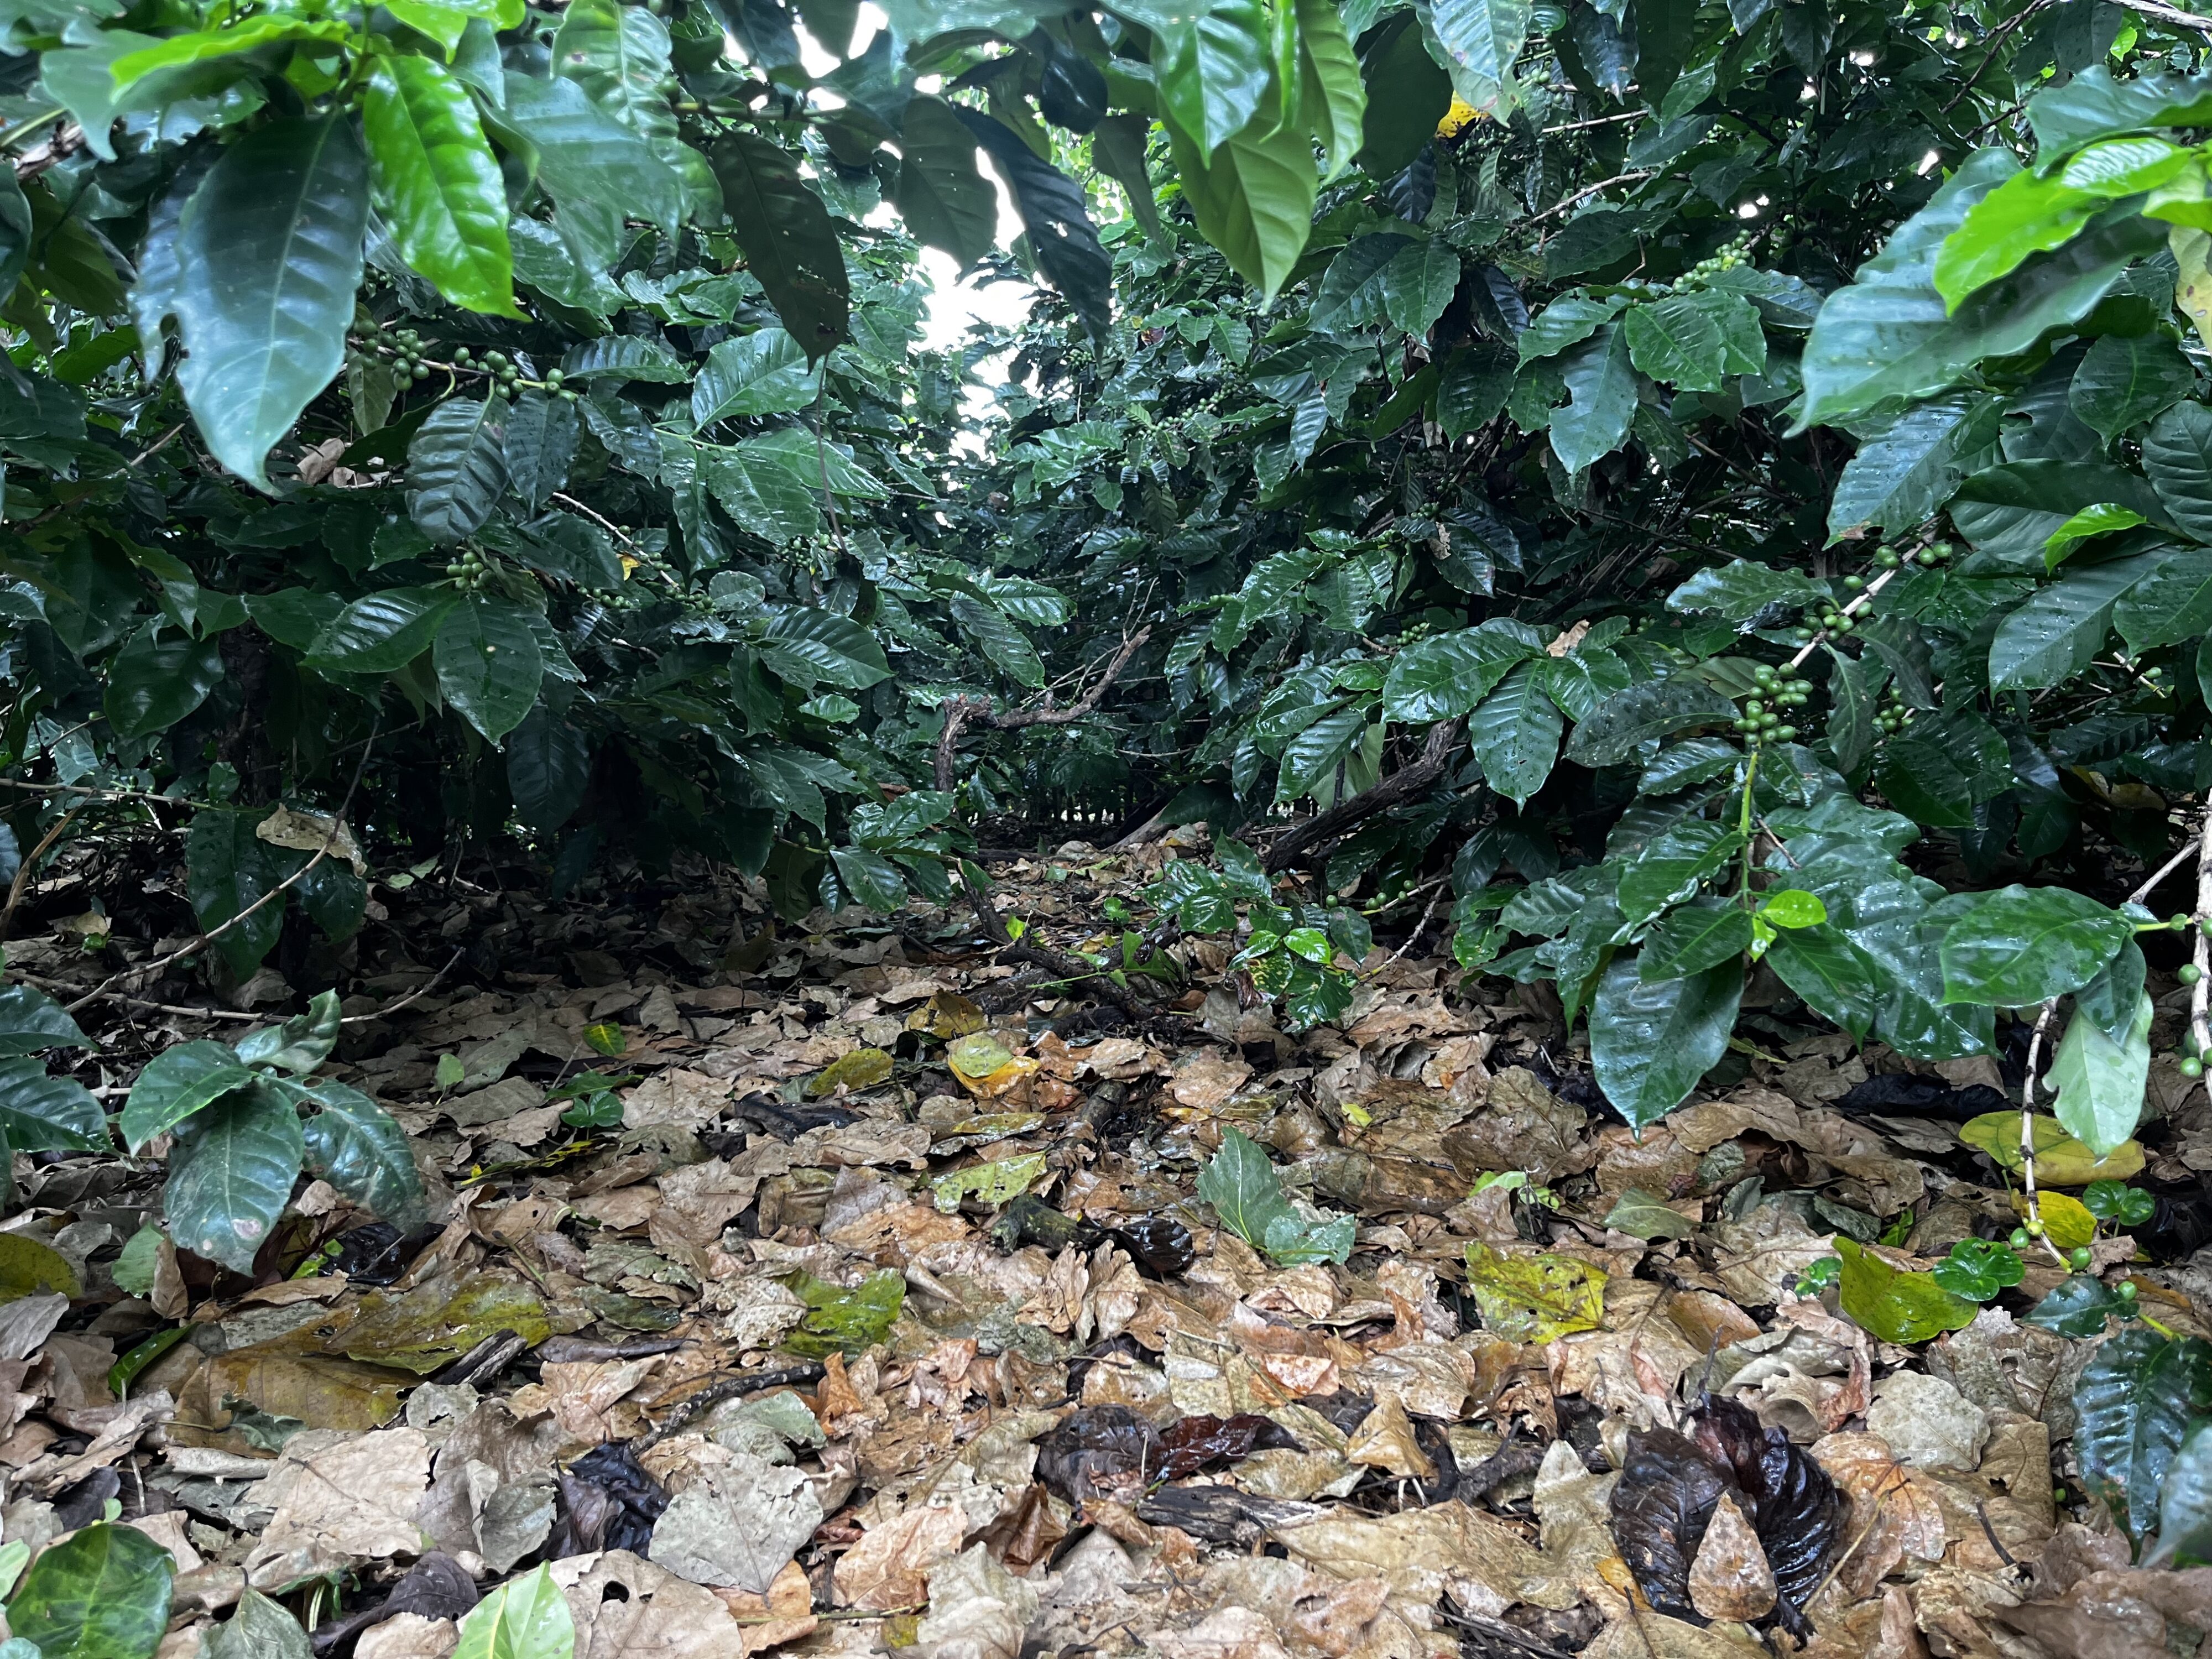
(1693, 938)
(1672, 864)
(788, 240)
(489, 664)
(381, 633)
(1514, 734)
(177, 1083)
(2170, 606)
(1210, 62)
(457, 467)
(101, 1593)
(1894, 1305)
(549, 766)
(526, 1618)
(2078, 1308)
(1601, 397)
(298, 1044)
(258, 1629)
(1484, 36)
(2125, 381)
(2100, 1083)
(227, 869)
(1252, 197)
(994, 635)
(1896, 480)
(2028, 213)
(2133, 1406)
(353, 1144)
(1333, 97)
(270, 249)
(2177, 456)
(42, 1113)
(2185, 1502)
(1446, 675)
(2056, 633)
(158, 676)
(231, 1173)
(439, 182)
(944, 201)
(588, 159)
(813, 647)
(1834, 977)
(31, 1022)
(2021, 946)
(1651, 1041)
(1695, 341)
(1241, 1184)
(540, 446)
(762, 373)
(2096, 104)
(1741, 589)
(1643, 713)
(1977, 1269)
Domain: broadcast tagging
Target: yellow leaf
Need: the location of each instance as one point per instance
(606, 1038)
(863, 1068)
(2066, 1220)
(2060, 1160)
(947, 1014)
(1533, 1298)
(30, 1268)
(1460, 116)
(977, 1054)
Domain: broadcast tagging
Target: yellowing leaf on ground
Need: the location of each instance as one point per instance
(2060, 1160)
(1533, 1298)
(986, 1068)
(863, 1068)
(1894, 1303)
(2066, 1219)
(947, 1014)
(28, 1267)
(989, 1183)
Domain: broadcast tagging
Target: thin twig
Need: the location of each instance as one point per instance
(421, 990)
(2027, 1132)
(1634, 176)
(1596, 121)
(25, 866)
(2171, 15)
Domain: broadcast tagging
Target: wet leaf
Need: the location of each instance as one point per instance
(2079, 1308)
(1158, 1243)
(2134, 1402)
(1100, 1451)
(1896, 1305)
(2068, 1220)
(1978, 1268)
(2060, 1160)
(1534, 1298)
(839, 1321)
(436, 1322)
(102, 1594)
(1189, 1443)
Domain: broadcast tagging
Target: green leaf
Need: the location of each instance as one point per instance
(178, 1083)
(42, 1113)
(2100, 1083)
(2023, 946)
(1514, 734)
(944, 201)
(1601, 390)
(355, 1144)
(1240, 1183)
(1895, 1305)
(299, 1044)
(1741, 589)
(489, 664)
(1896, 480)
(1672, 864)
(1695, 341)
(2133, 1405)
(1352, 290)
(1310, 758)
(549, 764)
(997, 640)
(381, 633)
(1645, 713)
(789, 243)
(457, 467)
(870, 878)
(1446, 675)
(2078, 1308)
(2116, 1202)
(1694, 937)
(2177, 455)
(2094, 105)
(159, 675)
(260, 1628)
(619, 357)
(2028, 213)
(1333, 97)
(762, 373)
(2170, 606)
(439, 182)
(758, 489)
(1646, 1215)
(102, 1593)
(1252, 197)
(227, 869)
(587, 161)
(231, 1175)
(2185, 1504)
(1835, 979)
(2125, 381)
(1889, 339)
(2059, 631)
(1210, 62)
(31, 1021)
(1978, 1268)
(1533, 1298)
(1484, 36)
(270, 249)
(2100, 519)
(811, 646)
(845, 1320)
(1791, 907)
(526, 1618)
(1117, 149)
(540, 446)
(204, 60)
(1650, 1042)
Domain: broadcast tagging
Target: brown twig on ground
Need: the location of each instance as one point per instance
(1401, 785)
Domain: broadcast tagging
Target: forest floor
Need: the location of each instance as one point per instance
(850, 1290)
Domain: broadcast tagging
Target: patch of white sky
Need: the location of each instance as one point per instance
(956, 303)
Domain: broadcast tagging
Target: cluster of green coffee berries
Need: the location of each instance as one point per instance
(506, 375)
(1730, 256)
(405, 346)
(1763, 718)
(468, 571)
(1893, 716)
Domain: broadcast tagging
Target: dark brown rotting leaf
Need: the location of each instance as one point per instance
(1671, 1482)
(1191, 1443)
(435, 1587)
(1100, 1451)
(1512, 1461)
(1661, 1507)
(1222, 1515)
(1159, 1244)
(607, 1502)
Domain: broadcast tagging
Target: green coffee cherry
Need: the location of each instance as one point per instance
(2189, 1066)
(2125, 1290)
(2021, 1241)
(2189, 973)
(2081, 1257)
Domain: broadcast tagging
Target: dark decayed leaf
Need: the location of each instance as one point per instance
(1101, 1451)
(1158, 1243)
(1191, 1443)
(1661, 1508)
(607, 1502)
